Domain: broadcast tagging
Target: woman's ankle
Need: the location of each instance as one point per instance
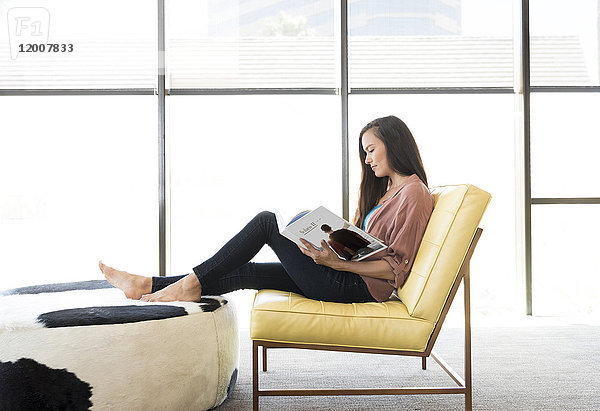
(191, 283)
(146, 285)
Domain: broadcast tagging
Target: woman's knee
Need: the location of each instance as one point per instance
(267, 221)
(266, 216)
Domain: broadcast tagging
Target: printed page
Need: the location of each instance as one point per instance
(348, 241)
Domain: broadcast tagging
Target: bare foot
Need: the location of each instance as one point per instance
(186, 289)
(134, 286)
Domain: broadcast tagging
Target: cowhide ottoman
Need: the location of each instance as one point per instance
(84, 345)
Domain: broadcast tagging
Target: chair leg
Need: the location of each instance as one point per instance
(264, 358)
(254, 376)
(468, 380)
(424, 363)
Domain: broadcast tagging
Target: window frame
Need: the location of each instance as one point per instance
(522, 91)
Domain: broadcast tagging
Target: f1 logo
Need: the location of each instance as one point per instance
(27, 25)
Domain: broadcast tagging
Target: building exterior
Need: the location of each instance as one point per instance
(316, 17)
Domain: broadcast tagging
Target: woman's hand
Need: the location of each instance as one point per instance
(376, 269)
(327, 257)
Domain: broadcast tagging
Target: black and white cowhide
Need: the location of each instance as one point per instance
(83, 345)
(28, 385)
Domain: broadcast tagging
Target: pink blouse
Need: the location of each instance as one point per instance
(400, 223)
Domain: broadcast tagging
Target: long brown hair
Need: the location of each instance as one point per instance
(402, 155)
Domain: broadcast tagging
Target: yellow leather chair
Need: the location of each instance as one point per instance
(408, 325)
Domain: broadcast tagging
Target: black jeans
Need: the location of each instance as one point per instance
(230, 268)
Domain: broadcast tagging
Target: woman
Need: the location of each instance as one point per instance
(394, 205)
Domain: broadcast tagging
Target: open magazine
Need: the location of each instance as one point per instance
(349, 242)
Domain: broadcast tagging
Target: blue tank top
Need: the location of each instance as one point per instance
(369, 216)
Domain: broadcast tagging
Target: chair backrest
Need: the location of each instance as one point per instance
(456, 215)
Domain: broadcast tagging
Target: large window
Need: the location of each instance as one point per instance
(564, 169)
(89, 44)
(565, 39)
(78, 183)
(256, 108)
(233, 44)
(565, 142)
(564, 42)
(566, 273)
(229, 162)
(403, 44)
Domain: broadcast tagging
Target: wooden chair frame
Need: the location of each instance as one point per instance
(463, 385)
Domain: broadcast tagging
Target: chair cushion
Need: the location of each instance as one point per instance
(280, 316)
(456, 215)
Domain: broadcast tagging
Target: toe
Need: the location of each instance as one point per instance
(149, 298)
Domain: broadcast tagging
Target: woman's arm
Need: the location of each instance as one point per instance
(376, 269)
